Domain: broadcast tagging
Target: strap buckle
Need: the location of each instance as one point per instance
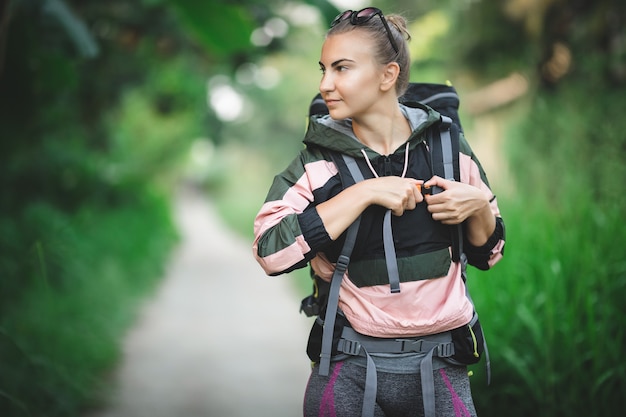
(446, 122)
(441, 350)
(342, 263)
(445, 350)
(411, 345)
(349, 347)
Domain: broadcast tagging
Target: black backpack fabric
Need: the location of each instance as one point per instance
(441, 97)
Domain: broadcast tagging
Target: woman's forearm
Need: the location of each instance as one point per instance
(480, 226)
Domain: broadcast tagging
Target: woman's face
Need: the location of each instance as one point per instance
(351, 76)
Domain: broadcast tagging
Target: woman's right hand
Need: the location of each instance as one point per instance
(394, 193)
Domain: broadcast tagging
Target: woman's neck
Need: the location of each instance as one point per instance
(383, 132)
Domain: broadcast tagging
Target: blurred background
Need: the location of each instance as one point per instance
(108, 108)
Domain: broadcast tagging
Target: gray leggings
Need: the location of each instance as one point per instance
(399, 395)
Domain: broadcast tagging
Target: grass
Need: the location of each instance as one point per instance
(553, 314)
(553, 309)
(62, 335)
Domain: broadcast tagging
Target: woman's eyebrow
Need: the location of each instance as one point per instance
(337, 62)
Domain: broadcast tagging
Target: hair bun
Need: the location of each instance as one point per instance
(400, 23)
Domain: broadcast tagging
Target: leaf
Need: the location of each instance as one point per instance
(223, 29)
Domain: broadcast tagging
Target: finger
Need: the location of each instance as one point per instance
(417, 193)
(444, 218)
(447, 217)
(438, 184)
(434, 181)
(410, 204)
(435, 199)
(434, 208)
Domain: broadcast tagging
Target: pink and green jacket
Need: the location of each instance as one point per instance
(289, 233)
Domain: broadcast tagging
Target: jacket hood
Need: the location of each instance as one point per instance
(337, 135)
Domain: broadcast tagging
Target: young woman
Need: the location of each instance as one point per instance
(365, 69)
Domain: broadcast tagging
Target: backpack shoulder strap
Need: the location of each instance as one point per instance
(388, 242)
(340, 269)
(443, 143)
(333, 297)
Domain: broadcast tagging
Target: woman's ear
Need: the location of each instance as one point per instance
(389, 76)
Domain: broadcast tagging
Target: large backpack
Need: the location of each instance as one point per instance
(443, 145)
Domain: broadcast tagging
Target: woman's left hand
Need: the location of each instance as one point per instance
(457, 202)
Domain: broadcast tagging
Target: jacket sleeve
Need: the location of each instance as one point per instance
(288, 231)
(487, 255)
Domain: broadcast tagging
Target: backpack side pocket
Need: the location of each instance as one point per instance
(469, 343)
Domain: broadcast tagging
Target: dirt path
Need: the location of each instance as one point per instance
(219, 339)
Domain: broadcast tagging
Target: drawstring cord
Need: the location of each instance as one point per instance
(369, 164)
(406, 161)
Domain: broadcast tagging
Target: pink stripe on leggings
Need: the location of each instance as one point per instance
(459, 407)
(327, 405)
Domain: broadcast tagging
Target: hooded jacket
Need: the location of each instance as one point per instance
(289, 233)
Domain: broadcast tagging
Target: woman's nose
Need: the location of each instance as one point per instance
(326, 84)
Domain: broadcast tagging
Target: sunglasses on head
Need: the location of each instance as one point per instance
(362, 16)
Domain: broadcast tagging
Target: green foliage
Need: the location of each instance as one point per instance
(153, 126)
(553, 308)
(87, 273)
(583, 141)
(221, 40)
(258, 147)
(87, 150)
(553, 313)
(482, 40)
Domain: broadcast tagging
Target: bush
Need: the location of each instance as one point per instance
(60, 331)
(553, 309)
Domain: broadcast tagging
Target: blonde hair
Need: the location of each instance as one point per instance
(384, 52)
